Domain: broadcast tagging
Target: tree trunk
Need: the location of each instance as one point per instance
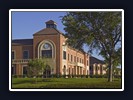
(110, 71)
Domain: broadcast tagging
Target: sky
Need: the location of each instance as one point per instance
(25, 24)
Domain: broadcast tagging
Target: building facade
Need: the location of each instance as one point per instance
(51, 43)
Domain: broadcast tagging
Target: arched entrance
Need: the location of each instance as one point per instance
(64, 69)
(47, 72)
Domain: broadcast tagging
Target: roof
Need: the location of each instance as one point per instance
(94, 60)
(50, 22)
(22, 42)
(48, 31)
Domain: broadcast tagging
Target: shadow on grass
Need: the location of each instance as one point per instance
(32, 80)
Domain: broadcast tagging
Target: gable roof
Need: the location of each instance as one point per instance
(22, 42)
(94, 60)
(48, 31)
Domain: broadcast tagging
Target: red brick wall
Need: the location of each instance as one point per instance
(18, 50)
(55, 39)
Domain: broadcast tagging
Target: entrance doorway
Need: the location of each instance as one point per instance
(24, 70)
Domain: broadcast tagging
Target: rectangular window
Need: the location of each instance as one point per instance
(26, 54)
(74, 58)
(64, 54)
(68, 57)
(71, 58)
(47, 53)
(80, 60)
(87, 62)
(13, 55)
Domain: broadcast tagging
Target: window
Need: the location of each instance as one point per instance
(71, 58)
(47, 46)
(25, 54)
(51, 26)
(68, 57)
(47, 53)
(64, 54)
(87, 62)
(13, 55)
(77, 59)
(47, 50)
(80, 60)
(74, 58)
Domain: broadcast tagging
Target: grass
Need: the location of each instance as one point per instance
(62, 83)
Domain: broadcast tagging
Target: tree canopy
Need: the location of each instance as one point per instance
(36, 67)
(99, 30)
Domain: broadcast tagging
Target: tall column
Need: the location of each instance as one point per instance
(94, 69)
(77, 70)
(99, 72)
(18, 69)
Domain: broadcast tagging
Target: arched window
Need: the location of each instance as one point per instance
(46, 50)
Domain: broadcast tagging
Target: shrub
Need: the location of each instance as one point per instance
(117, 76)
(87, 76)
(83, 76)
(98, 76)
(14, 76)
(19, 76)
(24, 76)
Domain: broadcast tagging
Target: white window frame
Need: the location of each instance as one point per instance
(63, 55)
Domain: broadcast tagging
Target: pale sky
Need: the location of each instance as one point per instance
(25, 24)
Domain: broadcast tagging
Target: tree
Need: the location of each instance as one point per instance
(36, 67)
(98, 30)
(116, 61)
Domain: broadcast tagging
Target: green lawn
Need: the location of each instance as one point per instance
(85, 83)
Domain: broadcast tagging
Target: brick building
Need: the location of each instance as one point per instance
(50, 42)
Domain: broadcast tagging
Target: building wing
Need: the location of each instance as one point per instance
(22, 42)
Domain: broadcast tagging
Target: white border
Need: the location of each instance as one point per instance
(48, 10)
